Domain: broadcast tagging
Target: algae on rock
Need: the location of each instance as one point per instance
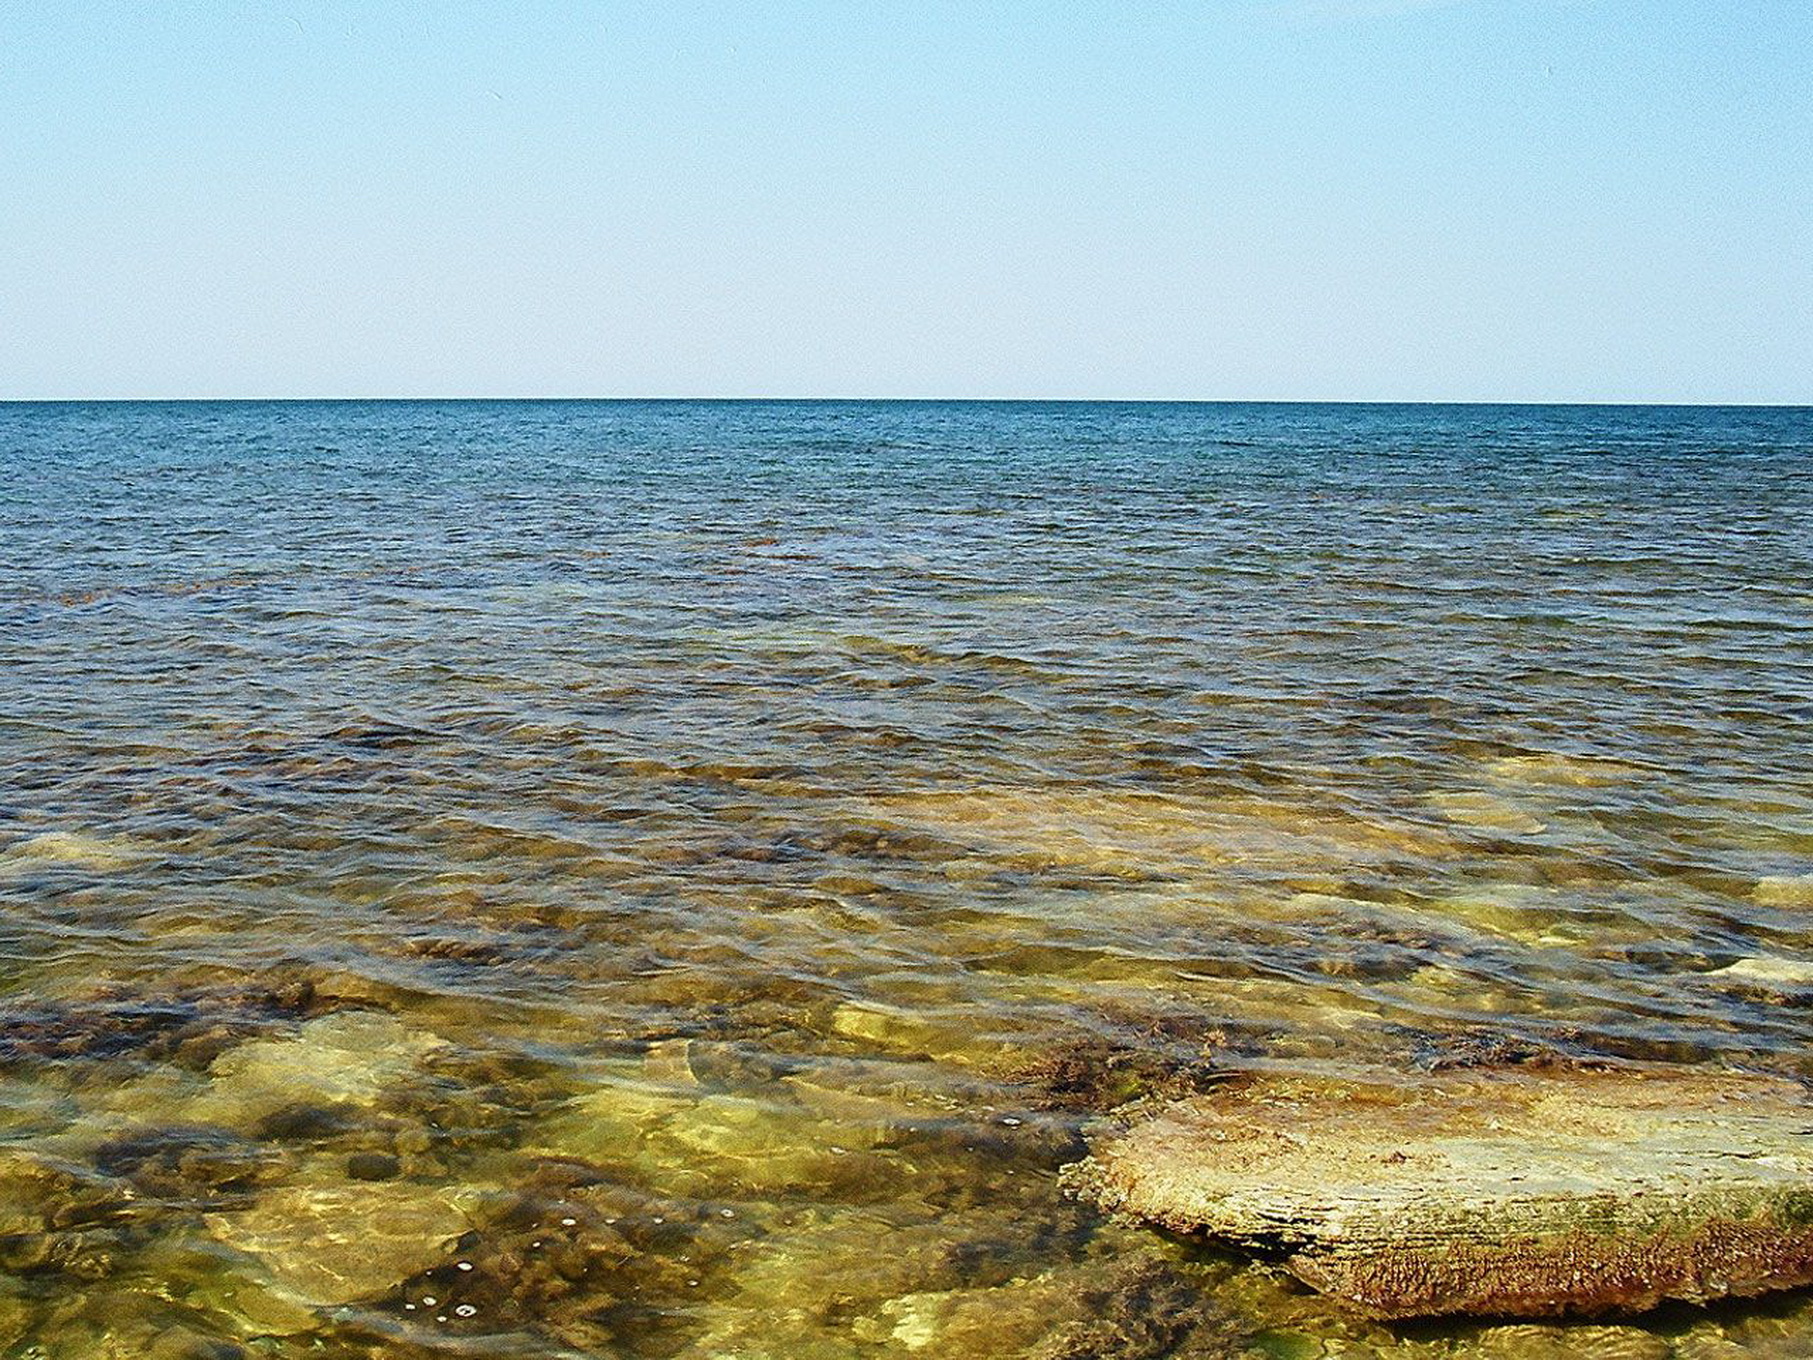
(1489, 1192)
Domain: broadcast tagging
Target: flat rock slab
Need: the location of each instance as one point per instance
(1505, 1193)
(339, 1244)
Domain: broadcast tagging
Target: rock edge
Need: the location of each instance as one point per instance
(1522, 1194)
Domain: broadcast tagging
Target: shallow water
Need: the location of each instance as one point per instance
(680, 879)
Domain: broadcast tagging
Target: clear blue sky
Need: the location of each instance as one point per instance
(1481, 199)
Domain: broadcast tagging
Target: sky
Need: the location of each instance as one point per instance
(1230, 199)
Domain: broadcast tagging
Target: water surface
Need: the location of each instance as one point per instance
(680, 879)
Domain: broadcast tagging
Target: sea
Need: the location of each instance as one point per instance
(683, 879)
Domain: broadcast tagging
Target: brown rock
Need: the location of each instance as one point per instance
(1494, 1193)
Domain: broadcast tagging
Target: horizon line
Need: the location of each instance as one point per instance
(1585, 403)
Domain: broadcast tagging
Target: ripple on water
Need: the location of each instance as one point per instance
(680, 880)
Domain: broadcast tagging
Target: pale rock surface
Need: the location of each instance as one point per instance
(1511, 1193)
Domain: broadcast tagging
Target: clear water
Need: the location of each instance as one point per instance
(680, 879)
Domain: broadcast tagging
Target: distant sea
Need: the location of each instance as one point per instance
(678, 879)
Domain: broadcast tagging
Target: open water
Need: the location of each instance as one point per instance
(680, 879)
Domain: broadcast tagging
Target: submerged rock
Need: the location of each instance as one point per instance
(72, 849)
(1493, 1193)
(186, 1026)
(348, 1059)
(1786, 890)
(1767, 973)
(1483, 812)
(59, 1218)
(1141, 1310)
(195, 1167)
(1091, 1072)
(337, 1244)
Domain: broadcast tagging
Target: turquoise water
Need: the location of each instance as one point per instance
(679, 879)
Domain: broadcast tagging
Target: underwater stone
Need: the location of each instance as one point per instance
(244, 1302)
(1512, 1194)
(183, 1343)
(1785, 891)
(55, 1214)
(1768, 973)
(338, 1244)
(372, 1166)
(74, 849)
(348, 1058)
(608, 1122)
(1483, 812)
(1136, 1308)
(1002, 1320)
(901, 1031)
(669, 1063)
(15, 1322)
(740, 1127)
